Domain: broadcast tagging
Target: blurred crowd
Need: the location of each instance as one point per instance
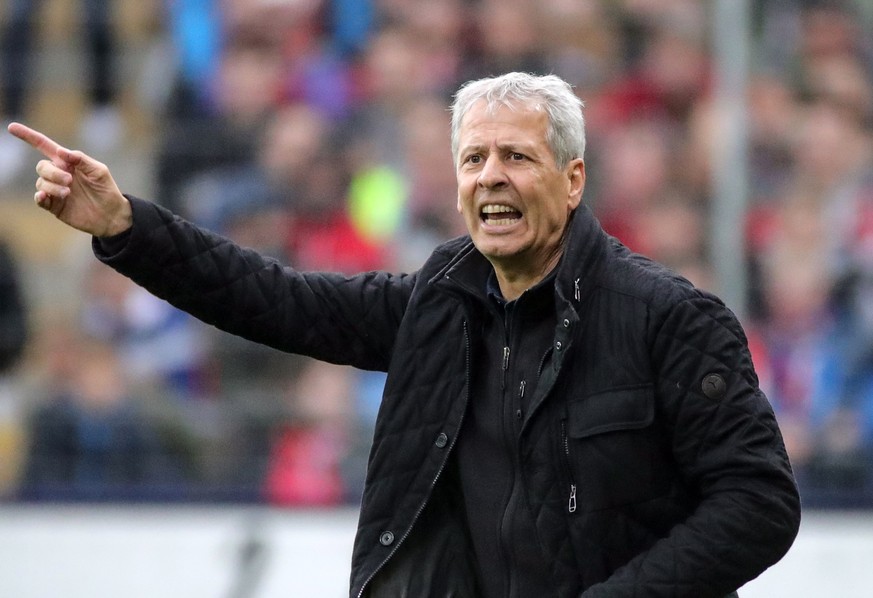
(317, 132)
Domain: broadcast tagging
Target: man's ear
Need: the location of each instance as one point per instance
(458, 204)
(576, 176)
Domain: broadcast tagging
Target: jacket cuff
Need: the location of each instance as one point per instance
(114, 248)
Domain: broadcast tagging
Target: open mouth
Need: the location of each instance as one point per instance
(500, 215)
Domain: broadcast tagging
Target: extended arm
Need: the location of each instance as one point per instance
(349, 320)
(342, 319)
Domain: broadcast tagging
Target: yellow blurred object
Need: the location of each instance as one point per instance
(377, 198)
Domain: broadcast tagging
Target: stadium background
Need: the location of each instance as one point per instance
(316, 131)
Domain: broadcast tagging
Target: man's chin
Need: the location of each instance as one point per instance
(499, 244)
(499, 253)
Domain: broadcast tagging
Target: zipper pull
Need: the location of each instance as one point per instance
(576, 289)
(505, 357)
(572, 505)
(518, 412)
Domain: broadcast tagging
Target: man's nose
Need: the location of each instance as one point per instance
(493, 173)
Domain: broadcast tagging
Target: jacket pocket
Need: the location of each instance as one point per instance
(612, 448)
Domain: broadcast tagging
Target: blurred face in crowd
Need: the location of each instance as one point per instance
(514, 199)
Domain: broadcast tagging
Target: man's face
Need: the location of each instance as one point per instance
(514, 200)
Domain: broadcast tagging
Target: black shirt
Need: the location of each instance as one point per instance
(516, 339)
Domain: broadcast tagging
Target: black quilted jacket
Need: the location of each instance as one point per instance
(650, 458)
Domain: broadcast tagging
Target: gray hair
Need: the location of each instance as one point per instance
(566, 132)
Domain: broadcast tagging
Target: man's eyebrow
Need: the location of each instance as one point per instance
(472, 148)
(507, 146)
(520, 146)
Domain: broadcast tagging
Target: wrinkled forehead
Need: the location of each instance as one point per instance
(491, 104)
(518, 112)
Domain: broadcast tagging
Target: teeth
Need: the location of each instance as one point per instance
(500, 215)
(496, 209)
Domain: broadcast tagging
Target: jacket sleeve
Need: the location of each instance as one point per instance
(728, 448)
(349, 320)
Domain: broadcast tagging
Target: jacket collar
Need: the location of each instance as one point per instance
(579, 268)
(575, 275)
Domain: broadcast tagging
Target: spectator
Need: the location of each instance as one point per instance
(506, 38)
(583, 44)
(156, 343)
(314, 441)
(440, 31)
(13, 314)
(103, 126)
(672, 230)
(635, 171)
(665, 76)
(795, 289)
(14, 332)
(430, 178)
(89, 436)
(217, 122)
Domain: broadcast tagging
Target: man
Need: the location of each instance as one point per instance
(561, 417)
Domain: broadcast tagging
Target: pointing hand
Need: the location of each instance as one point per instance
(76, 188)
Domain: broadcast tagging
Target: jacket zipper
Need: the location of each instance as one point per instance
(543, 360)
(505, 555)
(519, 411)
(565, 441)
(436, 477)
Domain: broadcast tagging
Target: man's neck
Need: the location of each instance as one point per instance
(515, 281)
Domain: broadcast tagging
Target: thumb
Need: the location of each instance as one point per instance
(77, 159)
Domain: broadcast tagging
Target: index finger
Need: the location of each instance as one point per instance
(44, 144)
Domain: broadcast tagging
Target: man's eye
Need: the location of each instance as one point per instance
(474, 159)
(516, 156)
